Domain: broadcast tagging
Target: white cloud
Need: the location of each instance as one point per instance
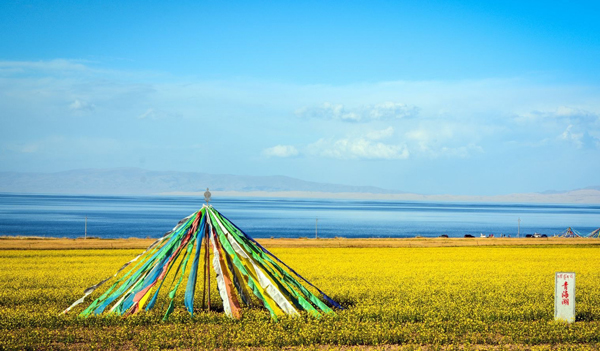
(572, 112)
(380, 134)
(359, 148)
(456, 119)
(418, 143)
(421, 137)
(81, 106)
(383, 111)
(154, 114)
(327, 111)
(281, 151)
(149, 113)
(443, 139)
(29, 148)
(570, 136)
(428, 135)
(57, 65)
(390, 110)
(560, 114)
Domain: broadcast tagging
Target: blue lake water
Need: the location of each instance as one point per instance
(151, 216)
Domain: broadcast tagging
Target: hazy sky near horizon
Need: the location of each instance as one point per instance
(433, 97)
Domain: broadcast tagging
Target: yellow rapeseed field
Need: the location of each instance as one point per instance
(425, 297)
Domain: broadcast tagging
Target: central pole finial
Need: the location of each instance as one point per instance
(207, 196)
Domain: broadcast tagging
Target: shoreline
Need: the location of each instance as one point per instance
(574, 197)
(38, 243)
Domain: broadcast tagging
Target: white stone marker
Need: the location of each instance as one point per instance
(564, 297)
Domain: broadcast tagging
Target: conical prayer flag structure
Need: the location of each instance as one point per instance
(595, 234)
(570, 233)
(245, 272)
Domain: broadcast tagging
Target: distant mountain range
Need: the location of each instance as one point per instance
(135, 181)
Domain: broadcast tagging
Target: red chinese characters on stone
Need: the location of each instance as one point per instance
(565, 295)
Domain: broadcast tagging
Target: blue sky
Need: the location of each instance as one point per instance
(446, 97)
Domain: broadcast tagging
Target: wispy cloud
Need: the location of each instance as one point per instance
(416, 143)
(155, 114)
(382, 111)
(81, 106)
(570, 136)
(400, 123)
(15, 67)
(561, 113)
(578, 127)
(281, 151)
(391, 110)
(380, 134)
(359, 148)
